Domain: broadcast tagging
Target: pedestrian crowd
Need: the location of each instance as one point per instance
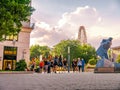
(56, 63)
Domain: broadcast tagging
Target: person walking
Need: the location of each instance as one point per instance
(55, 63)
(49, 66)
(45, 65)
(83, 64)
(65, 64)
(52, 65)
(79, 64)
(60, 63)
(73, 65)
(41, 66)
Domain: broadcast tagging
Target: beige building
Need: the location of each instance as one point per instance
(115, 52)
(15, 48)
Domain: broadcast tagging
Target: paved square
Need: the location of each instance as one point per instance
(62, 81)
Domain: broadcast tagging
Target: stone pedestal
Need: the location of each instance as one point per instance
(104, 70)
(117, 67)
(104, 66)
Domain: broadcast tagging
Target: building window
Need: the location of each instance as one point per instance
(11, 37)
(10, 50)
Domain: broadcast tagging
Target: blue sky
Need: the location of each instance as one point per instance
(60, 19)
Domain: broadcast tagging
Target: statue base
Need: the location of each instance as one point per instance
(106, 66)
(104, 70)
(104, 63)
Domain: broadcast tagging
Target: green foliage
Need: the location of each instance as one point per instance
(37, 50)
(37, 61)
(45, 51)
(92, 61)
(21, 65)
(76, 50)
(118, 59)
(12, 14)
(34, 51)
(109, 53)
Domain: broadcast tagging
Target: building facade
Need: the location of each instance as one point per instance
(15, 48)
(115, 52)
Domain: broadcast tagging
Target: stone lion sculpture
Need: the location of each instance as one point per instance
(102, 53)
(103, 48)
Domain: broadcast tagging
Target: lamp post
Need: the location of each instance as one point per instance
(68, 59)
(14, 41)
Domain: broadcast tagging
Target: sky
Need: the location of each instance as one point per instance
(57, 20)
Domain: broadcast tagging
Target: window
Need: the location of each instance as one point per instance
(10, 50)
(11, 37)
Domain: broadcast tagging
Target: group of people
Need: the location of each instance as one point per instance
(57, 63)
(78, 64)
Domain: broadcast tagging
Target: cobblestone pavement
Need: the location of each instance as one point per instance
(62, 81)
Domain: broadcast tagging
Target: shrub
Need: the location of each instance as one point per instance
(92, 61)
(21, 65)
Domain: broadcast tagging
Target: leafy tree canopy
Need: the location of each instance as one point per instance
(76, 50)
(12, 14)
(37, 50)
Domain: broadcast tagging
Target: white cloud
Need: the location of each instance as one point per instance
(68, 25)
(99, 19)
(86, 16)
(43, 25)
(43, 34)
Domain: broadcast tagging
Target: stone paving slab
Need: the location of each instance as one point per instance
(62, 81)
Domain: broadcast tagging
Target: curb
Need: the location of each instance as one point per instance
(15, 72)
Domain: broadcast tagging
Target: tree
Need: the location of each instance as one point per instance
(76, 50)
(45, 51)
(37, 50)
(34, 51)
(12, 14)
(88, 52)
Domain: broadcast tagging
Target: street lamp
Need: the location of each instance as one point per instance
(68, 59)
(14, 41)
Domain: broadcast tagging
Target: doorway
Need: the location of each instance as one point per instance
(9, 59)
